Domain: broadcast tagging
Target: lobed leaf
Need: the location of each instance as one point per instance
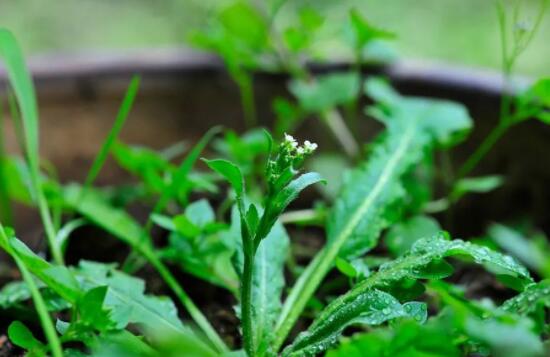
(528, 300)
(414, 126)
(372, 191)
(58, 278)
(126, 298)
(424, 253)
(371, 307)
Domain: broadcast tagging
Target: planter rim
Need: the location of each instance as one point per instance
(95, 64)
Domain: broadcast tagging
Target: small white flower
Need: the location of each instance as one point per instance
(290, 139)
(300, 150)
(309, 147)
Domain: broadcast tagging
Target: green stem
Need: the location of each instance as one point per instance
(48, 225)
(47, 325)
(185, 300)
(247, 100)
(246, 303)
(33, 164)
(483, 149)
(6, 212)
(341, 132)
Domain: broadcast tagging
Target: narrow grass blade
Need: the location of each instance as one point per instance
(23, 87)
(6, 214)
(122, 115)
(41, 309)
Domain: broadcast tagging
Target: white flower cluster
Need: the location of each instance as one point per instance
(306, 149)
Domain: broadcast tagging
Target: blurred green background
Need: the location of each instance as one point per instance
(455, 31)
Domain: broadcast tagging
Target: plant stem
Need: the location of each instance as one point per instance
(246, 303)
(185, 300)
(6, 213)
(41, 309)
(48, 225)
(247, 100)
(47, 325)
(483, 149)
(341, 132)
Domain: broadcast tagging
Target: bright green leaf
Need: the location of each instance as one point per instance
(372, 307)
(21, 336)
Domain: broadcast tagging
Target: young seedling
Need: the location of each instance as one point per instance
(283, 187)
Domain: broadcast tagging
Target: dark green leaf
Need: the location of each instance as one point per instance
(372, 307)
(91, 310)
(424, 252)
(528, 300)
(365, 205)
(126, 298)
(58, 278)
(21, 336)
(231, 172)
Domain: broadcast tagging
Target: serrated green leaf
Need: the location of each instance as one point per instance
(372, 191)
(372, 307)
(58, 278)
(527, 301)
(422, 253)
(414, 125)
(127, 300)
(207, 254)
(536, 95)
(436, 269)
(447, 122)
(91, 310)
(404, 338)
